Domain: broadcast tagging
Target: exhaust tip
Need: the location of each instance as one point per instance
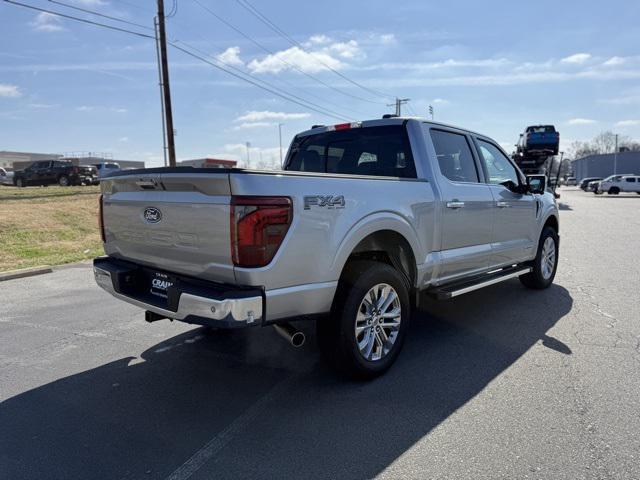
(291, 334)
(298, 339)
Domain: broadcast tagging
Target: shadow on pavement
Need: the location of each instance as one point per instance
(143, 419)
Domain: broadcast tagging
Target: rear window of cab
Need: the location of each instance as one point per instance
(375, 151)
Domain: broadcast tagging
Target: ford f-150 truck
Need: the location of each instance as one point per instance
(363, 218)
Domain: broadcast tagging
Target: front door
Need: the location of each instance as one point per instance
(466, 207)
(514, 219)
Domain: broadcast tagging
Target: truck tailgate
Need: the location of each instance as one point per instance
(178, 222)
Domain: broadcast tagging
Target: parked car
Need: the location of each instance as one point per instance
(571, 182)
(49, 172)
(584, 183)
(593, 186)
(539, 140)
(6, 177)
(364, 217)
(616, 184)
(106, 168)
(90, 173)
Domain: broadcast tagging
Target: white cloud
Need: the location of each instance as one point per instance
(614, 61)
(46, 22)
(43, 105)
(257, 116)
(577, 58)
(295, 57)
(348, 49)
(581, 121)
(118, 110)
(321, 53)
(231, 56)
(627, 123)
(247, 125)
(440, 101)
(319, 39)
(11, 91)
(387, 38)
(85, 108)
(123, 139)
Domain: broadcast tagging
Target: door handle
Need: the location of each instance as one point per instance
(455, 204)
(502, 204)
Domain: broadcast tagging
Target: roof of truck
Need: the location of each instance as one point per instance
(379, 122)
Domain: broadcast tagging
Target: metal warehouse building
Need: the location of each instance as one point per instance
(603, 165)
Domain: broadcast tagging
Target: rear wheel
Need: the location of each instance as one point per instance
(545, 263)
(364, 334)
(63, 181)
(614, 191)
(20, 183)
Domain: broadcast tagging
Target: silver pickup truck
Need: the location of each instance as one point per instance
(363, 218)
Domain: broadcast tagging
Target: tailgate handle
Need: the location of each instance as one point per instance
(147, 184)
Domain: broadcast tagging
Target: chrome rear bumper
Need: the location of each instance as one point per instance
(244, 309)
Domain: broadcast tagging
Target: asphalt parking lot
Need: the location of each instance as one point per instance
(501, 383)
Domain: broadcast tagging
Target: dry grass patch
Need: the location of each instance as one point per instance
(48, 227)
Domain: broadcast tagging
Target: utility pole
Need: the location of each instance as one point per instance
(615, 157)
(398, 104)
(431, 111)
(164, 125)
(248, 145)
(171, 146)
(280, 135)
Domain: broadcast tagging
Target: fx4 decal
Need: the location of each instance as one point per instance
(328, 201)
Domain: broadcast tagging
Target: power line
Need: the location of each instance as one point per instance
(253, 82)
(286, 96)
(78, 19)
(290, 84)
(101, 15)
(241, 72)
(271, 52)
(260, 16)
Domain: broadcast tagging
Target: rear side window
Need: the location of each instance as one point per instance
(377, 151)
(631, 179)
(454, 156)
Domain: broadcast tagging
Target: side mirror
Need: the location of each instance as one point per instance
(537, 183)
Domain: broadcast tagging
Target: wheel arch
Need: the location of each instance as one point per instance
(384, 238)
(552, 221)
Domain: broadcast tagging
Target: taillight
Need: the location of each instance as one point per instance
(258, 226)
(101, 218)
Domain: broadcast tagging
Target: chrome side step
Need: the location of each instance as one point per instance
(459, 288)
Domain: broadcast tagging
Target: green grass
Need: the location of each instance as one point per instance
(48, 226)
(26, 193)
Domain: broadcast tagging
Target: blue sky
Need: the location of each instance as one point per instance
(490, 66)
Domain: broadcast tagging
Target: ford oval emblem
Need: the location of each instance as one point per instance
(152, 215)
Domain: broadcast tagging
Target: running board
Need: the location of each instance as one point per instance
(459, 288)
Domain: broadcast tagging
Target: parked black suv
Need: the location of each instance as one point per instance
(48, 172)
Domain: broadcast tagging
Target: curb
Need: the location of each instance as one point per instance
(25, 272)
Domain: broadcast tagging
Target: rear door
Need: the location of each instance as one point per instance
(514, 220)
(466, 206)
(178, 222)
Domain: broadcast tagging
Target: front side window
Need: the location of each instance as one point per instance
(377, 151)
(499, 168)
(454, 156)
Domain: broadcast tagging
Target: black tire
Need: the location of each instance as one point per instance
(536, 278)
(63, 181)
(614, 191)
(20, 183)
(336, 334)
